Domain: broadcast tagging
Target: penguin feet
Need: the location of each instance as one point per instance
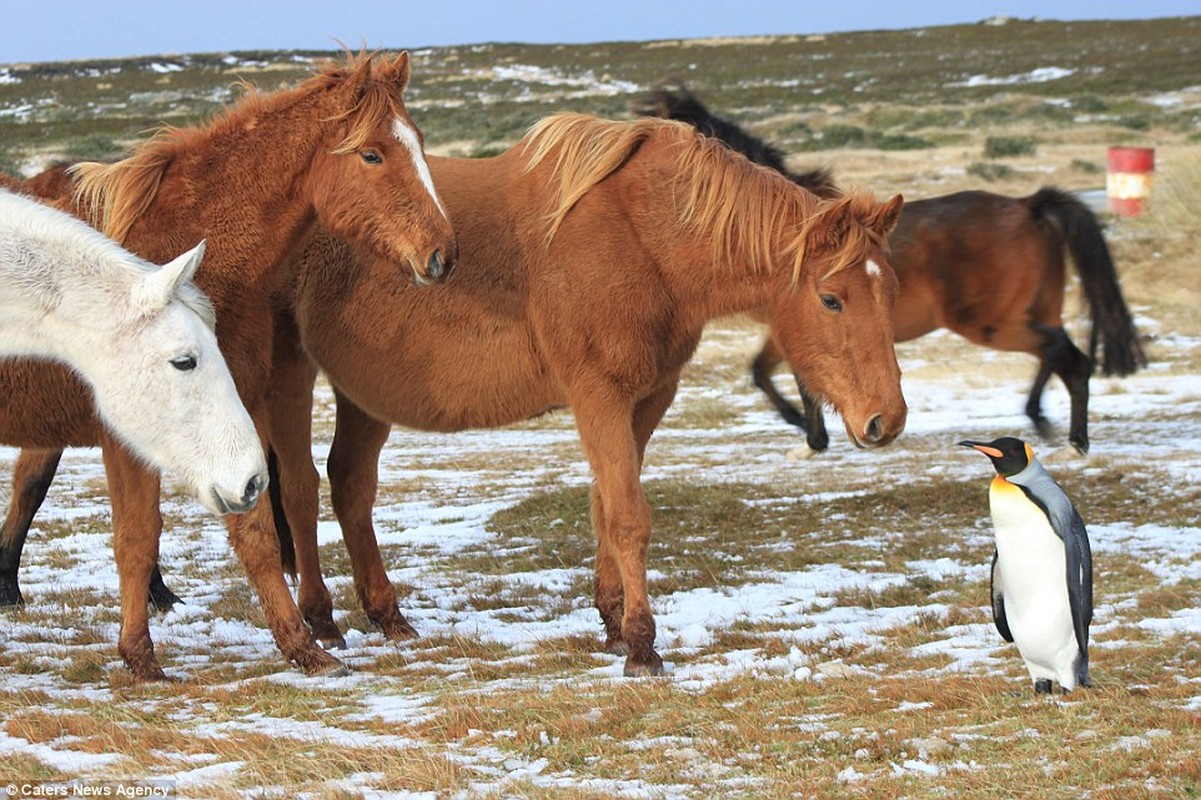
(1042, 686)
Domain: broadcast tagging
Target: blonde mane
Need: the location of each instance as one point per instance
(736, 204)
(117, 195)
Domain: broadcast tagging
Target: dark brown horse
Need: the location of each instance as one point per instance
(988, 267)
(594, 253)
(339, 149)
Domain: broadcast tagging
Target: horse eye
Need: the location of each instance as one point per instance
(831, 302)
(184, 363)
(371, 157)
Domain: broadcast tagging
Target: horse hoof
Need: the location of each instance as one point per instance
(326, 634)
(339, 671)
(1064, 454)
(398, 629)
(11, 600)
(616, 647)
(800, 453)
(334, 642)
(152, 674)
(320, 664)
(652, 667)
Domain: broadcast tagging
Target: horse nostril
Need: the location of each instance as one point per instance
(253, 489)
(436, 266)
(874, 431)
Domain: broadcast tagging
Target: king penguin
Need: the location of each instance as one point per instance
(1042, 568)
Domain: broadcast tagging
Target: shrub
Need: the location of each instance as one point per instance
(1135, 122)
(902, 141)
(1003, 146)
(989, 170)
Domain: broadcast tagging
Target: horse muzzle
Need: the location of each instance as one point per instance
(436, 269)
(223, 504)
(878, 431)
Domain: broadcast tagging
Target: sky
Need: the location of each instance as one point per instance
(59, 30)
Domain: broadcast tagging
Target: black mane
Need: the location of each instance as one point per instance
(672, 100)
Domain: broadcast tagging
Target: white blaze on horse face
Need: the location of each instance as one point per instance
(408, 137)
(873, 268)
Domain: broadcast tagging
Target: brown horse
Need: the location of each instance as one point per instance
(986, 266)
(594, 253)
(339, 149)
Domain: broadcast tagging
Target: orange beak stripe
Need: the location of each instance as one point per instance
(991, 452)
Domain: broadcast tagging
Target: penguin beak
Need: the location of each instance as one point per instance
(991, 452)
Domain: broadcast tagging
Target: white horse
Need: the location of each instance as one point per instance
(141, 336)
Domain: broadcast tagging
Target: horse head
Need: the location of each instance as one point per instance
(373, 185)
(835, 324)
(162, 386)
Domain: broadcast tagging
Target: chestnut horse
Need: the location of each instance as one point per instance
(986, 266)
(339, 149)
(594, 253)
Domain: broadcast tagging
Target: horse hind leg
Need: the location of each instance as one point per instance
(353, 469)
(32, 475)
(1061, 357)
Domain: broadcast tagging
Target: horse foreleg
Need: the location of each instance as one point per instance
(354, 478)
(32, 476)
(762, 369)
(609, 595)
(137, 525)
(816, 435)
(297, 485)
(253, 538)
(609, 441)
(812, 421)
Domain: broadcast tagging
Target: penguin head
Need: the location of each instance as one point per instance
(1008, 454)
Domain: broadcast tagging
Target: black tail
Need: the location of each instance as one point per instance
(1112, 326)
(672, 100)
(287, 550)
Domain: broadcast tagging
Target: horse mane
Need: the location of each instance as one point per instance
(91, 252)
(738, 205)
(118, 194)
(671, 99)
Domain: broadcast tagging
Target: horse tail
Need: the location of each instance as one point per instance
(1112, 325)
(283, 531)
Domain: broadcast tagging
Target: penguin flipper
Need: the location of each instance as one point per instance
(998, 601)
(1079, 558)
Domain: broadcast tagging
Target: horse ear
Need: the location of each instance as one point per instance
(835, 223)
(161, 286)
(361, 75)
(886, 217)
(401, 65)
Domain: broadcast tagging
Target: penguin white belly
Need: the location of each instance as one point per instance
(1033, 580)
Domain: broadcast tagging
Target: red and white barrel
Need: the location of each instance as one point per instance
(1128, 181)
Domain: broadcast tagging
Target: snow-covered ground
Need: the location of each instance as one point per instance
(1150, 419)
